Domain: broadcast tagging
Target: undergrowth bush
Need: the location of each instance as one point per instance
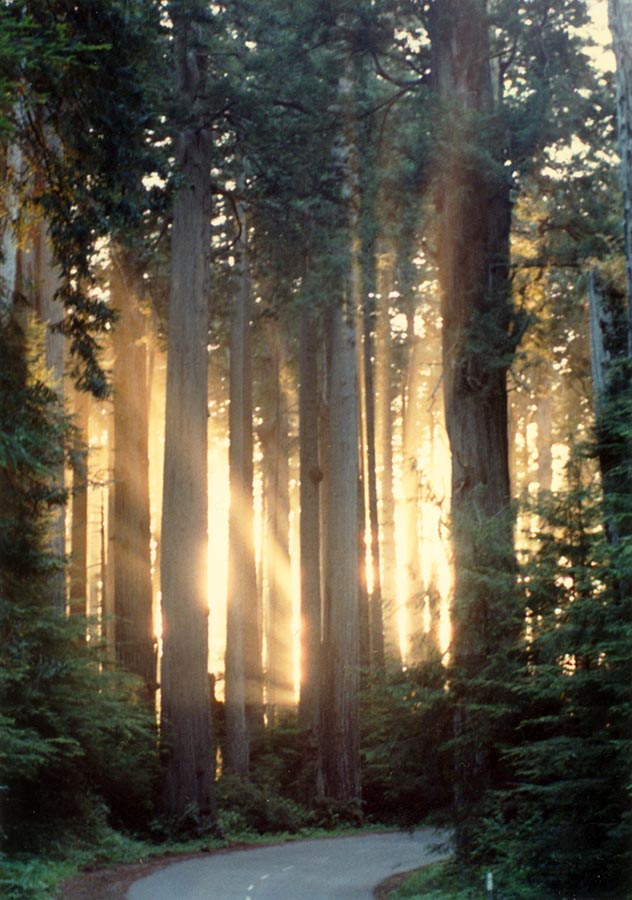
(406, 721)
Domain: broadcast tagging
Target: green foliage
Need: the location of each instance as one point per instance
(248, 806)
(560, 814)
(80, 102)
(74, 737)
(406, 766)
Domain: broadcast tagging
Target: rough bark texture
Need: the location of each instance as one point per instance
(243, 693)
(185, 701)
(620, 18)
(133, 595)
(474, 216)
(341, 751)
(310, 479)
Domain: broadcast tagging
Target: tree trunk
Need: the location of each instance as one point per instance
(384, 453)
(474, 215)
(78, 568)
(410, 488)
(376, 618)
(620, 18)
(311, 477)
(341, 645)
(131, 563)
(274, 437)
(185, 699)
(340, 744)
(244, 701)
(10, 170)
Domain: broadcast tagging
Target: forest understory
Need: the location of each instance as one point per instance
(316, 434)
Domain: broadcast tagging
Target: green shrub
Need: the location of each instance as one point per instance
(406, 768)
(248, 806)
(75, 739)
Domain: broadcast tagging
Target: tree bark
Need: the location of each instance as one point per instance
(131, 563)
(274, 437)
(376, 616)
(474, 216)
(340, 744)
(620, 18)
(185, 700)
(415, 594)
(244, 701)
(311, 477)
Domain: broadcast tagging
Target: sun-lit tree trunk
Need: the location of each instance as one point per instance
(311, 476)
(187, 790)
(244, 701)
(376, 620)
(363, 467)
(131, 562)
(474, 215)
(78, 567)
(274, 439)
(415, 593)
(384, 450)
(620, 18)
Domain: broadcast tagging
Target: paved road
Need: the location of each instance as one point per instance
(346, 868)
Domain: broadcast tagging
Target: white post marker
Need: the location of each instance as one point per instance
(489, 884)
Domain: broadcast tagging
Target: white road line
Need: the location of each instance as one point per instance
(263, 877)
(287, 868)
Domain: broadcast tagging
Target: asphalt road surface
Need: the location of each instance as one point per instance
(346, 868)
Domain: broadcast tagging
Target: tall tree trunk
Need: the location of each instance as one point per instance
(474, 215)
(384, 451)
(340, 739)
(185, 699)
(341, 650)
(545, 441)
(133, 596)
(244, 701)
(620, 18)
(376, 618)
(311, 476)
(78, 568)
(274, 437)
(410, 488)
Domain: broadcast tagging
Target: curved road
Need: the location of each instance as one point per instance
(346, 868)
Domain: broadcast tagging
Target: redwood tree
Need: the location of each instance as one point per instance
(185, 701)
(474, 216)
